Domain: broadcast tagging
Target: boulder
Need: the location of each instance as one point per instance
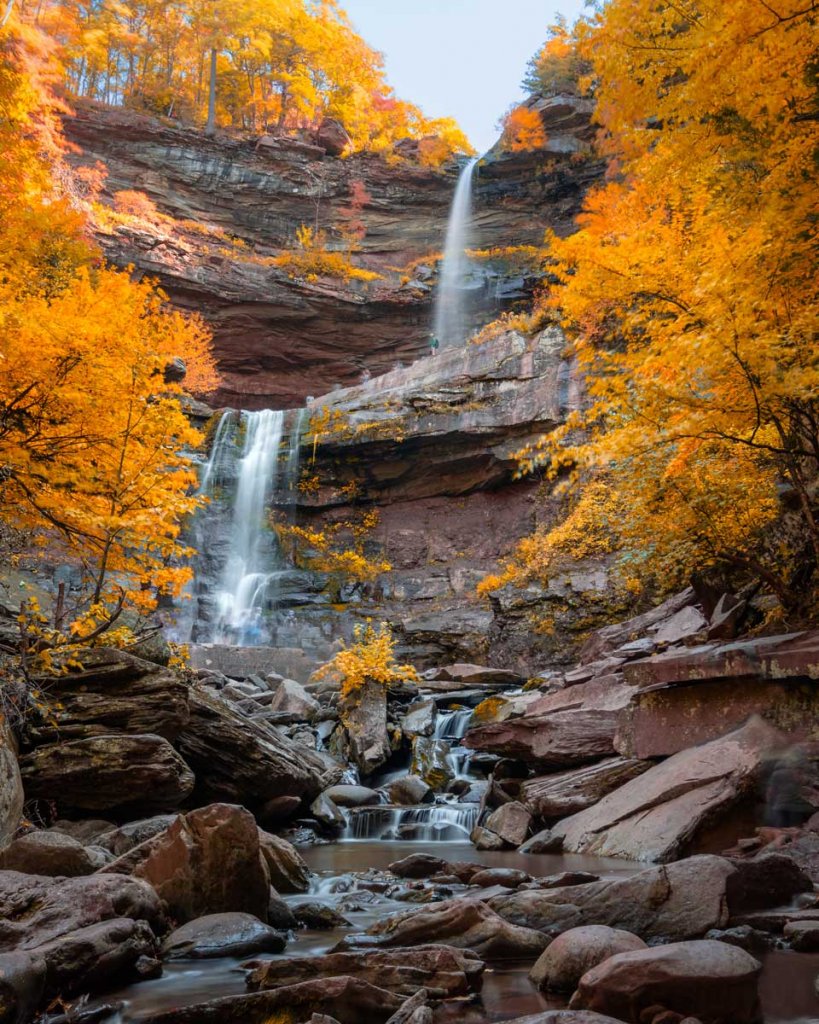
(97, 956)
(464, 924)
(712, 981)
(327, 813)
(352, 796)
(419, 865)
(112, 692)
(446, 972)
(22, 986)
(664, 812)
(565, 793)
(682, 625)
(431, 762)
(482, 839)
(414, 1011)
(803, 936)
(207, 862)
(605, 641)
(108, 773)
(408, 791)
(291, 698)
(567, 958)
(318, 916)
(332, 137)
(661, 904)
(88, 831)
(348, 1000)
(287, 871)
(419, 719)
(364, 717)
(511, 822)
(11, 785)
(79, 933)
(217, 935)
(126, 837)
(571, 1017)
(510, 877)
(546, 841)
(241, 761)
(51, 853)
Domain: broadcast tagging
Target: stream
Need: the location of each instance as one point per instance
(787, 988)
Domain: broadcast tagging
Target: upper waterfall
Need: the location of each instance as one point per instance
(450, 307)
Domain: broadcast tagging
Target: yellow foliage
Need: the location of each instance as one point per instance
(690, 293)
(313, 260)
(522, 131)
(93, 440)
(370, 657)
(338, 549)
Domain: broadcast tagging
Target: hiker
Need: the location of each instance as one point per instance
(433, 344)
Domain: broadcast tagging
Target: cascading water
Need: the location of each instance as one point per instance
(450, 301)
(253, 464)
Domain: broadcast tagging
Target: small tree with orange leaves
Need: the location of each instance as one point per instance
(522, 131)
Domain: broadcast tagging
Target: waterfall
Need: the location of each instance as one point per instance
(450, 306)
(427, 824)
(451, 726)
(252, 465)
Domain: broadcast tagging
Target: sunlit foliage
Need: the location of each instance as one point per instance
(371, 657)
(690, 292)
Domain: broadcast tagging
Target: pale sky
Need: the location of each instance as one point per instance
(458, 58)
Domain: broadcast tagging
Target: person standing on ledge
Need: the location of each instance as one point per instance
(433, 344)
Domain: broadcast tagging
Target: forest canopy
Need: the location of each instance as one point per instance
(275, 65)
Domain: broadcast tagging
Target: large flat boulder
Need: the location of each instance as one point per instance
(663, 813)
(714, 982)
(566, 793)
(565, 960)
(240, 761)
(53, 854)
(111, 692)
(347, 1000)
(207, 861)
(667, 903)
(464, 924)
(115, 772)
(559, 740)
(446, 972)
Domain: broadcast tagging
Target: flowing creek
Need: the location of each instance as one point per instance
(786, 987)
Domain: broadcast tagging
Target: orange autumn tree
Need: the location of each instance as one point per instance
(690, 295)
(92, 437)
(522, 131)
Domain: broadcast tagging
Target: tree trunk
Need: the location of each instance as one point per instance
(210, 127)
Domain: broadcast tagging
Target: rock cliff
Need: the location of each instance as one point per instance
(229, 204)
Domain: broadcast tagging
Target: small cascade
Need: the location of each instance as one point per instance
(450, 300)
(429, 823)
(451, 726)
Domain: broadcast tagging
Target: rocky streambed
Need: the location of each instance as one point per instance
(633, 839)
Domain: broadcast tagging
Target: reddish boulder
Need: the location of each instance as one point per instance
(567, 958)
(712, 981)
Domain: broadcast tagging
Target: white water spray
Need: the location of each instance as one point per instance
(450, 308)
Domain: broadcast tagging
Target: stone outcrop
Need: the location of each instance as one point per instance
(567, 958)
(364, 718)
(112, 692)
(124, 774)
(565, 793)
(668, 809)
(687, 697)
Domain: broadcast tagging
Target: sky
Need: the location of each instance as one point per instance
(458, 58)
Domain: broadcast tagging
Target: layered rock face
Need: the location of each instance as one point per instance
(230, 204)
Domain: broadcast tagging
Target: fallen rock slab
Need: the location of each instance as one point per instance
(566, 793)
(348, 1000)
(464, 924)
(240, 761)
(446, 972)
(511, 822)
(712, 981)
(565, 960)
(663, 813)
(559, 740)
